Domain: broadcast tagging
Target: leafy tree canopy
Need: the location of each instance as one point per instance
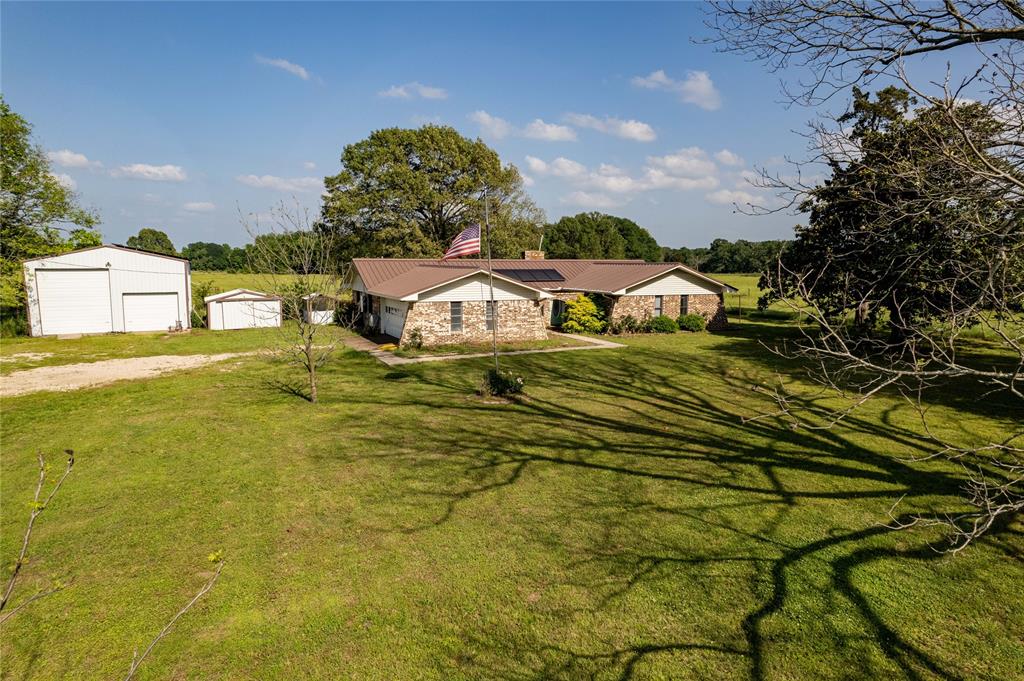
(729, 256)
(154, 240)
(206, 256)
(407, 193)
(596, 235)
(880, 240)
(39, 216)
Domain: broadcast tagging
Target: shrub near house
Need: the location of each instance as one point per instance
(582, 316)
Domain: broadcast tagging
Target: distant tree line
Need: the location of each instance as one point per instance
(729, 256)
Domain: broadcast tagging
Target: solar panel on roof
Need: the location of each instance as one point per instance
(532, 275)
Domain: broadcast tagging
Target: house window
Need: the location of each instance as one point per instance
(684, 304)
(456, 314)
(490, 315)
(390, 309)
(658, 300)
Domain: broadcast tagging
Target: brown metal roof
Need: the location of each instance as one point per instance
(400, 277)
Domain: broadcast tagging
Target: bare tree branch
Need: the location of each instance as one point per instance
(37, 510)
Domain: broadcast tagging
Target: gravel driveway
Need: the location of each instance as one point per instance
(90, 374)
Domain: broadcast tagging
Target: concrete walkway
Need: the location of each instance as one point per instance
(361, 344)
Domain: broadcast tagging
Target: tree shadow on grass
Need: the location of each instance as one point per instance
(666, 427)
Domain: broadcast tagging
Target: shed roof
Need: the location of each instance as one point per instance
(240, 294)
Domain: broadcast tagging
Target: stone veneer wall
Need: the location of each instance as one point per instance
(711, 307)
(518, 320)
(708, 305)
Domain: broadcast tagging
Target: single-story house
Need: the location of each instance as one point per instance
(242, 308)
(107, 288)
(449, 301)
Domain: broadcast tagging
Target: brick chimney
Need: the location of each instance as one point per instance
(533, 255)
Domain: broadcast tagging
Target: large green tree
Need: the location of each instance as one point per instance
(881, 245)
(408, 192)
(38, 214)
(214, 257)
(153, 240)
(596, 235)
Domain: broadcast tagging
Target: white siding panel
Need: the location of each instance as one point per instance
(673, 283)
(74, 301)
(476, 288)
(150, 311)
(245, 314)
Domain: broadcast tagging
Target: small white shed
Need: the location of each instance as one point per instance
(241, 308)
(106, 289)
(319, 308)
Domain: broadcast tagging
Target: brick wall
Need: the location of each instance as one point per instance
(518, 320)
(710, 306)
(637, 307)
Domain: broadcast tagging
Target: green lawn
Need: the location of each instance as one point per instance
(620, 522)
(26, 353)
(225, 281)
(474, 348)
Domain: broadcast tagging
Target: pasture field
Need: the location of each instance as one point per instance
(621, 521)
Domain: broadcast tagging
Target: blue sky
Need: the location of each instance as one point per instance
(177, 115)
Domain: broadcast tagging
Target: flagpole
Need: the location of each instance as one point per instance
(490, 278)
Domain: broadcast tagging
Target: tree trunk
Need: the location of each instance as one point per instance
(311, 365)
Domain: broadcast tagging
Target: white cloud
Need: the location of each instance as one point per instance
(656, 178)
(309, 165)
(560, 167)
(491, 126)
(697, 88)
(732, 196)
(687, 162)
(151, 198)
(199, 207)
(631, 129)
(414, 90)
(551, 132)
(145, 171)
(686, 170)
(66, 158)
(283, 184)
(527, 180)
(728, 158)
(65, 180)
(590, 200)
(284, 65)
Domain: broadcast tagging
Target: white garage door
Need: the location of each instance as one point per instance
(150, 311)
(392, 317)
(74, 301)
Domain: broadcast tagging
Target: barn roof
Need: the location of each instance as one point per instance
(117, 246)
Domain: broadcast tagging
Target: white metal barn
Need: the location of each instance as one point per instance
(106, 289)
(241, 308)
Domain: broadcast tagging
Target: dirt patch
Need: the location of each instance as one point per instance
(90, 374)
(26, 357)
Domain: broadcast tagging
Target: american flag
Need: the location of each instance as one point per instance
(466, 243)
